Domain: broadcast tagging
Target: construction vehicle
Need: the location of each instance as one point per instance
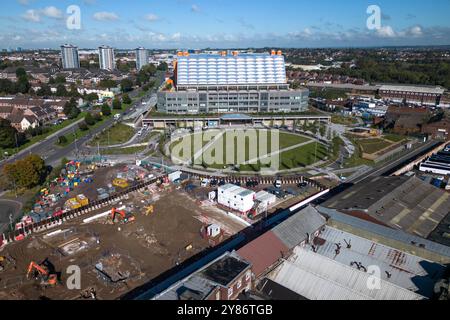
(123, 216)
(42, 271)
(121, 183)
(149, 210)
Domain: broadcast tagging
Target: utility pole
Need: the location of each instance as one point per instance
(17, 143)
(11, 221)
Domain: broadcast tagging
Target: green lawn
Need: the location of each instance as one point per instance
(229, 144)
(80, 134)
(394, 137)
(120, 151)
(372, 146)
(336, 119)
(117, 134)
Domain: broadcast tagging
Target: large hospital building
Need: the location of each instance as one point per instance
(230, 83)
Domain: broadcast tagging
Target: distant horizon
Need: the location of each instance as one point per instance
(36, 24)
(239, 48)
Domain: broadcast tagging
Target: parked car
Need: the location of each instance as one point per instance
(278, 184)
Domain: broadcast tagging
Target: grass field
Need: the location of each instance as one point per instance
(117, 134)
(121, 151)
(235, 150)
(394, 137)
(372, 146)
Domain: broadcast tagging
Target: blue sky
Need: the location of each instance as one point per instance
(223, 23)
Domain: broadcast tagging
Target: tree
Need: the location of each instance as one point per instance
(322, 130)
(163, 67)
(91, 97)
(117, 105)
(89, 119)
(61, 90)
(62, 140)
(8, 134)
(97, 117)
(71, 110)
(107, 84)
(126, 85)
(126, 99)
(106, 110)
(20, 72)
(83, 126)
(26, 173)
(22, 85)
(44, 91)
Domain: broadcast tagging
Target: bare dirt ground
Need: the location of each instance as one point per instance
(141, 250)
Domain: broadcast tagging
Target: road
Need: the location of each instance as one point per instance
(45, 146)
(52, 154)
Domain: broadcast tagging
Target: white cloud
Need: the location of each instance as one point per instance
(386, 32)
(106, 16)
(24, 2)
(195, 8)
(151, 17)
(416, 31)
(52, 12)
(32, 15)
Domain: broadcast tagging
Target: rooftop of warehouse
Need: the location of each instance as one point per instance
(405, 203)
(413, 88)
(317, 277)
(398, 267)
(201, 283)
(398, 236)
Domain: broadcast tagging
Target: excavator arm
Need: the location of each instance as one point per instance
(38, 268)
(47, 278)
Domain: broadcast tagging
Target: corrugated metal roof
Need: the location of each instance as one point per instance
(319, 278)
(385, 231)
(405, 270)
(412, 88)
(296, 229)
(263, 252)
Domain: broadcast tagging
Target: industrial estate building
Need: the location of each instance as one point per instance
(393, 202)
(106, 58)
(222, 83)
(425, 95)
(69, 57)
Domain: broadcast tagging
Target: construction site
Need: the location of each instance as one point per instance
(123, 225)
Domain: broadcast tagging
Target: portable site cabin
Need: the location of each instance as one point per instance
(236, 198)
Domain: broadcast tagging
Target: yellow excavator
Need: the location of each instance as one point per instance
(149, 210)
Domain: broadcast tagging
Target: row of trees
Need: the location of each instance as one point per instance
(22, 85)
(374, 70)
(27, 173)
(9, 136)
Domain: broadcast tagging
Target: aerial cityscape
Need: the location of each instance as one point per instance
(234, 151)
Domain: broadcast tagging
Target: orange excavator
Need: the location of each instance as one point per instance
(42, 271)
(124, 217)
